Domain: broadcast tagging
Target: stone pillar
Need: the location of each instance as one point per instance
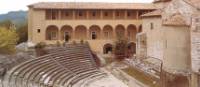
(59, 14)
(87, 15)
(101, 34)
(114, 34)
(88, 34)
(59, 35)
(73, 14)
(113, 14)
(137, 14)
(126, 32)
(125, 14)
(101, 14)
(73, 35)
(194, 80)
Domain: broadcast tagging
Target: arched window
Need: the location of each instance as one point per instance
(108, 48)
(94, 32)
(52, 33)
(81, 32)
(131, 31)
(94, 36)
(120, 31)
(66, 33)
(107, 32)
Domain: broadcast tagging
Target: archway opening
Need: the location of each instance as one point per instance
(52, 32)
(66, 33)
(107, 32)
(95, 32)
(131, 32)
(140, 29)
(81, 32)
(132, 48)
(120, 31)
(108, 48)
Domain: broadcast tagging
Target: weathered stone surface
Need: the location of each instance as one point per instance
(195, 44)
(9, 61)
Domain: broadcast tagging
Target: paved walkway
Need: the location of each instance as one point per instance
(108, 81)
(112, 81)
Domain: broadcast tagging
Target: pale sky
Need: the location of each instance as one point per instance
(15, 5)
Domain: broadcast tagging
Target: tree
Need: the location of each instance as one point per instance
(121, 47)
(6, 24)
(22, 31)
(8, 40)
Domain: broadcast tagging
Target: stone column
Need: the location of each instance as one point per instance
(113, 14)
(73, 14)
(88, 34)
(114, 33)
(126, 32)
(87, 15)
(137, 14)
(125, 14)
(101, 14)
(101, 34)
(73, 34)
(59, 14)
(59, 35)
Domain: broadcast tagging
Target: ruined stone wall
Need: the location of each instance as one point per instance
(153, 28)
(195, 43)
(177, 49)
(178, 6)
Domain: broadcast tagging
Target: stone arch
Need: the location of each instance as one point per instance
(52, 32)
(132, 47)
(66, 32)
(107, 32)
(131, 32)
(95, 31)
(120, 31)
(107, 48)
(140, 29)
(81, 32)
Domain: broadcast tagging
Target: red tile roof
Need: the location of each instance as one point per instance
(89, 5)
(175, 20)
(156, 13)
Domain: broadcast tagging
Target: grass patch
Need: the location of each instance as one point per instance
(140, 76)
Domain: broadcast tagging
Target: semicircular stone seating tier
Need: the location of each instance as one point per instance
(62, 67)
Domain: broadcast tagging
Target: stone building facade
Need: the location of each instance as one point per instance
(97, 23)
(173, 36)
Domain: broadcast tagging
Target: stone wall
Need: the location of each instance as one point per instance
(195, 44)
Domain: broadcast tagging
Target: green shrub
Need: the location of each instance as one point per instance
(8, 41)
(40, 45)
(82, 41)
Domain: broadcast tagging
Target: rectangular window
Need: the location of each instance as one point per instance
(38, 30)
(53, 35)
(93, 13)
(152, 26)
(51, 14)
(117, 13)
(106, 35)
(66, 14)
(106, 14)
(80, 13)
(48, 14)
(128, 14)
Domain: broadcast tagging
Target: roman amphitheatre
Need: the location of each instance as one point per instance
(91, 44)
